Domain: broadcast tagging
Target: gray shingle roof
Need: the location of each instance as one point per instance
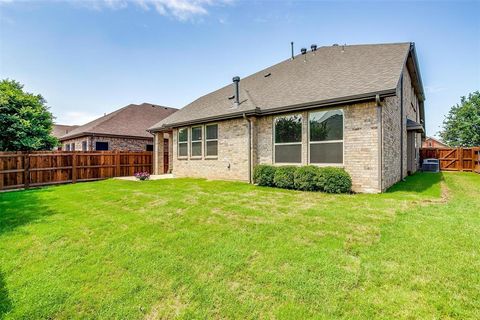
(132, 121)
(59, 130)
(328, 74)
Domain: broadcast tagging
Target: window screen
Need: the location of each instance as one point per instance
(211, 140)
(196, 143)
(326, 136)
(288, 139)
(183, 142)
(101, 146)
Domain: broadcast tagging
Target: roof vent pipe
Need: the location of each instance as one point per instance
(236, 81)
(291, 44)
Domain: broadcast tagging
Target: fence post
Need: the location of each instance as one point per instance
(74, 168)
(26, 177)
(117, 163)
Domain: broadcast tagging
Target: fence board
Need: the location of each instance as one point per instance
(23, 170)
(454, 159)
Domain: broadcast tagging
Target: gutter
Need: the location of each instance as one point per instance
(249, 147)
(380, 142)
(296, 107)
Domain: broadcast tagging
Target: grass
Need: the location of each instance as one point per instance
(207, 249)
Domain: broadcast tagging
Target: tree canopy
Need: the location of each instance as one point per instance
(25, 120)
(461, 127)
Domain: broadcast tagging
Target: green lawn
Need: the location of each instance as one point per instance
(207, 249)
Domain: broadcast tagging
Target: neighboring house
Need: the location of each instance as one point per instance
(360, 107)
(60, 130)
(124, 130)
(433, 143)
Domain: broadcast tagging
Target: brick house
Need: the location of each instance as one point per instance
(360, 107)
(431, 142)
(124, 129)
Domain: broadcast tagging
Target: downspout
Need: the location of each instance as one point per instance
(380, 142)
(401, 128)
(249, 147)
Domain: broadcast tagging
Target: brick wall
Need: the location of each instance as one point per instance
(121, 144)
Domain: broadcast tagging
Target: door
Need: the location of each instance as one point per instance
(165, 156)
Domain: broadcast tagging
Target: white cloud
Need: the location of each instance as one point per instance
(435, 89)
(180, 9)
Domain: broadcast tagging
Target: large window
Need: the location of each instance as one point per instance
(101, 146)
(211, 140)
(196, 142)
(288, 139)
(326, 137)
(183, 143)
(84, 145)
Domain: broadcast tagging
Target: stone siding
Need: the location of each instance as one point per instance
(121, 144)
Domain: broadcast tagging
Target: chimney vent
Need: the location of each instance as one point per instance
(313, 47)
(236, 82)
(303, 50)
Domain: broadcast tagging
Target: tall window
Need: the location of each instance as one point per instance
(183, 143)
(67, 147)
(84, 145)
(72, 147)
(196, 142)
(211, 140)
(326, 137)
(288, 139)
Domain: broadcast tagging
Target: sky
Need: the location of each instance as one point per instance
(88, 58)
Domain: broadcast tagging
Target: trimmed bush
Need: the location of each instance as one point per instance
(284, 177)
(305, 178)
(334, 180)
(263, 175)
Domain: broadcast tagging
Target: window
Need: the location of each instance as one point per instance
(211, 140)
(84, 145)
(101, 146)
(149, 147)
(183, 143)
(72, 147)
(196, 142)
(326, 136)
(67, 147)
(288, 139)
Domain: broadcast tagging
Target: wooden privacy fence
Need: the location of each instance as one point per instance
(40, 168)
(454, 159)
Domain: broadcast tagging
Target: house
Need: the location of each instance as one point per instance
(60, 130)
(124, 129)
(431, 142)
(360, 107)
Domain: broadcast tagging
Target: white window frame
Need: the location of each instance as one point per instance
(179, 142)
(287, 143)
(196, 141)
(208, 140)
(324, 142)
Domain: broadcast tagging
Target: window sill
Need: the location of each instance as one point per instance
(182, 158)
(196, 158)
(211, 158)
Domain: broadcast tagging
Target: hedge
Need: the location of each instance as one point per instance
(306, 178)
(334, 180)
(284, 177)
(263, 175)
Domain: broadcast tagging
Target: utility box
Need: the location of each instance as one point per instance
(431, 165)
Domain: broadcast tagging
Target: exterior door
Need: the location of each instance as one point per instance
(165, 156)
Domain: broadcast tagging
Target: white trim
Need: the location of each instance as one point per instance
(324, 164)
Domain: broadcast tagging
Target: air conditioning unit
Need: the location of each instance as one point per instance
(431, 165)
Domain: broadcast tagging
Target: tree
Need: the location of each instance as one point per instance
(25, 121)
(461, 127)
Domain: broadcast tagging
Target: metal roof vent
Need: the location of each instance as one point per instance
(335, 45)
(313, 47)
(236, 82)
(303, 50)
(266, 75)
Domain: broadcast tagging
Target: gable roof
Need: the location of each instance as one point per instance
(130, 121)
(59, 130)
(331, 74)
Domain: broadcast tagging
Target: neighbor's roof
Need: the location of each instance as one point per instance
(130, 121)
(59, 130)
(329, 74)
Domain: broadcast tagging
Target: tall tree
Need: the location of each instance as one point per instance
(25, 121)
(461, 127)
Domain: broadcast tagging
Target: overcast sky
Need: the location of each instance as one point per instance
(91, 57)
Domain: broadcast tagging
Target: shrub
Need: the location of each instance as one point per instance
(263, 175)
(305, 178)
(334, 180)
(284, 177)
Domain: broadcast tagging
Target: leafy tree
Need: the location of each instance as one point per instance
(461, 127)
(25, 121)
